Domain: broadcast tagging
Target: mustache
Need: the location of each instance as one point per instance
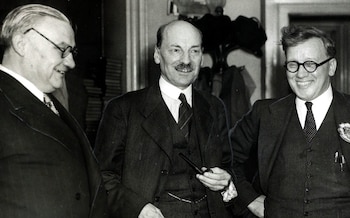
(183, 66)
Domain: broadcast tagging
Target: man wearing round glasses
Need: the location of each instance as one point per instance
(301, 141)
(309, 67)
(47, 168)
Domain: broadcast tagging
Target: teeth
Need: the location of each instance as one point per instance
(303, 83)
(60, 71)
(184, 70)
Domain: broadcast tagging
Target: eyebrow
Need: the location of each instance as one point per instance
(193, 46)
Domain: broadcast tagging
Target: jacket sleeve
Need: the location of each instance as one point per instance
(110, 150)
(244, 139)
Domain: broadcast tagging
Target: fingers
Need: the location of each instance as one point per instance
(150, 211)
(216, 180)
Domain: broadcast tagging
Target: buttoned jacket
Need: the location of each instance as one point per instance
(134, 147)
(261, 133)
(37, 159)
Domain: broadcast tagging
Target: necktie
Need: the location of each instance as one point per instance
(185, 114)
(49, 103)
(310, 125)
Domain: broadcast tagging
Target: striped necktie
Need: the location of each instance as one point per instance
(49, 103)
(185, 114)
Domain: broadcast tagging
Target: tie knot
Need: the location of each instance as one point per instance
(308, 105)
(47, 100)
(49, 103)
(182, 98)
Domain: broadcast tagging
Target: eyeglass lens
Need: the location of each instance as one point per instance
(309, 66)
(65, 51)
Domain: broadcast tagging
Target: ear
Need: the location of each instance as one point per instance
(156, 55)
(202, 59)
(332, 67)
(19, 44)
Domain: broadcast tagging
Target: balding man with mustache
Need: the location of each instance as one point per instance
(142, 134)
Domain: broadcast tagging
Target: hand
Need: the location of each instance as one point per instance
(257, 206)
(150, 211)
(216, 180)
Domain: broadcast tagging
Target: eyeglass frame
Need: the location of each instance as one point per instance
(299, 64)
(70, 49)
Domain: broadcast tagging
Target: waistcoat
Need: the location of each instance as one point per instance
(181, 180)
(306, 180)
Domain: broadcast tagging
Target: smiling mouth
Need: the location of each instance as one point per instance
(304, 83)
(184, 68)
(60, 71)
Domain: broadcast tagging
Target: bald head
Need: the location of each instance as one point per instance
(179, 53)
(177, 26)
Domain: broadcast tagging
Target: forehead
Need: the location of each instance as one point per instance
(182, 34)
(310, 49)
(55, 29)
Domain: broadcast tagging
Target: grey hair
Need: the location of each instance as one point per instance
(24, 17)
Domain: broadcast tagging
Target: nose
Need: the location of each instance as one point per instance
(69, 61)
(302, 72)
(186, 59)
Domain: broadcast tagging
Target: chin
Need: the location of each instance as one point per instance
(57, 86)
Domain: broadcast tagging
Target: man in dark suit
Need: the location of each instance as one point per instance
(47, 168)
(301, 150)
(140, 138)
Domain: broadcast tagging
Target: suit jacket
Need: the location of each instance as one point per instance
(39, 169)
(74, 97)
(134, 147)
(261, 132)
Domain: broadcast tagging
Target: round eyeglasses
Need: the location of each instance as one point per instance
(65, 51)
(309, 66)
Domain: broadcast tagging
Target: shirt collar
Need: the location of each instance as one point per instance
(321, 101)
(320, 106)
(173, 92)
(26, 83)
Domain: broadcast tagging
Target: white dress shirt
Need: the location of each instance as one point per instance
(26, 83)
(320, 107)
(171, 93)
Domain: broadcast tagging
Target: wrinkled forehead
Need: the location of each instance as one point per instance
(52, 23)
(312, 48)
(56, 29)
(182, 33)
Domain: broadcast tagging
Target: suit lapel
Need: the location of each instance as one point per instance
(93, 170)
(156, 116)
(90, 159)
(155, 124)
(203, 119)
(272, 133)
(31, 111)
(341, 106)
(280, 113)
(37, 116)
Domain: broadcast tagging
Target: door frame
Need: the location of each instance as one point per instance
(277, 14)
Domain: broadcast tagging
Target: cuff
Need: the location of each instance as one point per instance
(229, 192)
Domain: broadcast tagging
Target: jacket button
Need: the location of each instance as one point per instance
(307, 201)
(156, 199)
(164, 172)
(77, 196)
